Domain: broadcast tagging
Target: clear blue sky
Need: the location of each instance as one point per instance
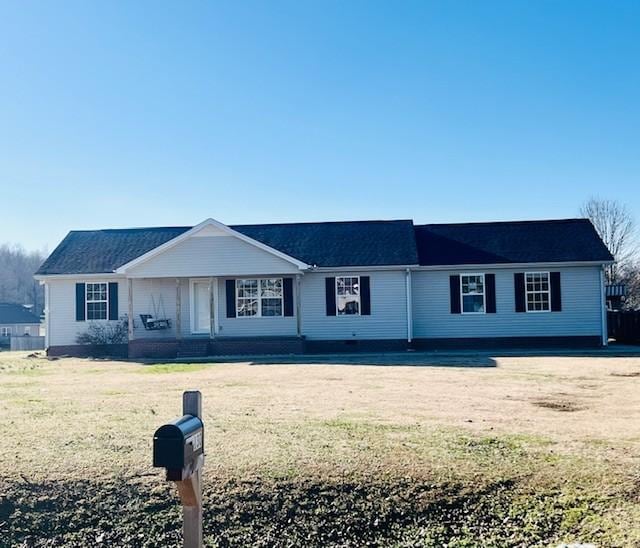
(138, 113)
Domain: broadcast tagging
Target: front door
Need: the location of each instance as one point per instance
(201, 300)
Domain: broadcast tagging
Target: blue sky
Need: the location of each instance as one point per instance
(120, 114)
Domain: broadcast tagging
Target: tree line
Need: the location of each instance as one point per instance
(17, 267)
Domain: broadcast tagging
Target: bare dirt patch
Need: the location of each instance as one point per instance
(564, 406)
(629, 374)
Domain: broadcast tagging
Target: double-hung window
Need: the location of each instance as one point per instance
(97, 301)
(473, 293)
(537, 291)
(5, 331)
(259, 297)
(348, 295)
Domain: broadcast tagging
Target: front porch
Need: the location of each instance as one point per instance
(197, 317)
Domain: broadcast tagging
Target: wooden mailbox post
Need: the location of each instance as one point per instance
(179, 447)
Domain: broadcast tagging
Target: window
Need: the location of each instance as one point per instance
(259, 298)
(348, 295)
(27, 330)
(537, 291)
(5, 331)
(97, 301)
(473, 296)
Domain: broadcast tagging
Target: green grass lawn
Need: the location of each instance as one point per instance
(506, 451)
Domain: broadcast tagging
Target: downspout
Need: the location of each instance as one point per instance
(409, 306)
(47, 316)
(603, 312)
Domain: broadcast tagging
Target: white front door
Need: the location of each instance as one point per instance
(201, 300)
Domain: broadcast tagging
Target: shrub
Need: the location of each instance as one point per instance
(104, 333)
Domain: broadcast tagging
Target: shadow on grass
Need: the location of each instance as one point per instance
(306, 512)
(390, 360)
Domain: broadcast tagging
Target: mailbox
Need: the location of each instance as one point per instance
(178, 447)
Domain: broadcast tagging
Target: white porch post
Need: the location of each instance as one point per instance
(130, 308)
(409, 307)
(212, 312)
(178, 309)
(298, 307)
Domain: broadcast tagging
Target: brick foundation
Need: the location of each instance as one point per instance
(355, 345)
(202, 347)
(89, 351)
(507, 342)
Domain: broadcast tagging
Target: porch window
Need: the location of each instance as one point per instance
(537, 291)
(97, 301)
(348, 295)
(473, 295)
(261, 297)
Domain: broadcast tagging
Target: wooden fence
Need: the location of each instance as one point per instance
(624, 327)
(27, 343)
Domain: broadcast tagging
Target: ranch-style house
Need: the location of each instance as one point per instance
(214, 289)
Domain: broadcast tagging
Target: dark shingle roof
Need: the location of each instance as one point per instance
(553, 241)
(357, 243)
(99, 251)
(16, 313)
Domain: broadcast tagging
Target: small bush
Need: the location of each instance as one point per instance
(104, 333)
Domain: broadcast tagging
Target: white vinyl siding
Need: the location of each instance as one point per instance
(212, 256)
(388, 319)
(255, 326)
(580, 315)
(63, 327)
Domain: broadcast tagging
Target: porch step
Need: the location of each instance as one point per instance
(193, 348)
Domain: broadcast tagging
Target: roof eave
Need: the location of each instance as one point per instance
(513, 265)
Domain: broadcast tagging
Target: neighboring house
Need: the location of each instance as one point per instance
(615, 294)
(309, 287)
(16, 320)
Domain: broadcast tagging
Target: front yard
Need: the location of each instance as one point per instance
(498, 451)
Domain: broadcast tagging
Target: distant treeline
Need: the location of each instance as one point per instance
(17, 285)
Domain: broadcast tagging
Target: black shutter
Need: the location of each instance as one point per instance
(556, 292)
(365, 296)
(231, 298)
(113, 300)
(454, 290)
(287, 292)
(80, 302)
(490, 288)
(330, 295)
(518, 285)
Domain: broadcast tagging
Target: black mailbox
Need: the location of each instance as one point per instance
(178, 445)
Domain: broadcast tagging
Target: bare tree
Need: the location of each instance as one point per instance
(17, 285)
(616, 226)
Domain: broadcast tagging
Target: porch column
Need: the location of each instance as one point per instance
(212, 312)
(298, 307)
(178, 309)
(130, 308)
(409, 307)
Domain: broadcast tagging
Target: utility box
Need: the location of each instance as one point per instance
(177, 447)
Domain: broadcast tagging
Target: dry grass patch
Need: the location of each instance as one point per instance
(328, 454)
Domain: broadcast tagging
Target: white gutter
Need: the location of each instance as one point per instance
(510, 265)
(361, 268)
(409, 306)
(603, 312)
(92, 276)
(47, 315)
